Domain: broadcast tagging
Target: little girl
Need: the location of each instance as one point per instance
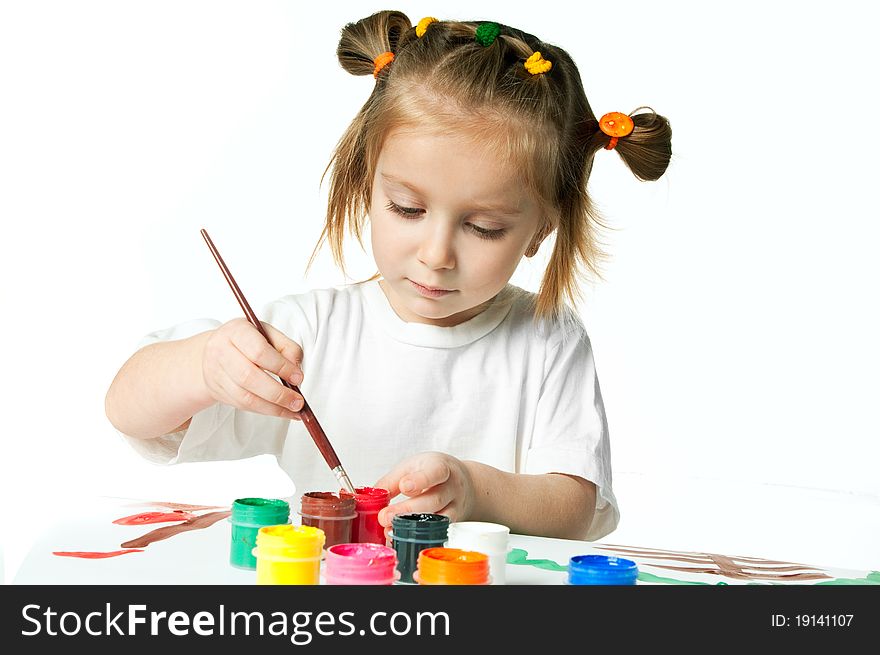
(436, 379)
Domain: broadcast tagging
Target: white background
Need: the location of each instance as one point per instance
(735, 332)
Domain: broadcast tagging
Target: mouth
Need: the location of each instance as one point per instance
(431, 292)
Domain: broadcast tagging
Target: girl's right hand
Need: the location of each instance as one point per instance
(236, 363)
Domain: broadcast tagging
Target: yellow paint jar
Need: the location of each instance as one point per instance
(289, 554)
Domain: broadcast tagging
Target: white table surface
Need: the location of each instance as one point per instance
(202, 556)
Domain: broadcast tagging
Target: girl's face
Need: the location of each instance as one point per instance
(450, 222)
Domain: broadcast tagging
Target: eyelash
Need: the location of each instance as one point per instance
(410, 213)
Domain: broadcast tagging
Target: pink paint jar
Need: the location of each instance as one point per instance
(366, 529)
(360, 564)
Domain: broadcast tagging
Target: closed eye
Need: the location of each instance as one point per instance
(408, 212)
(483, 233)
(414, 212)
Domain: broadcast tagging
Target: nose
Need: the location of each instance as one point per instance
(436, 247)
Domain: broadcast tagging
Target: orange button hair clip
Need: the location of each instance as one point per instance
(615, 125)
(381, 62)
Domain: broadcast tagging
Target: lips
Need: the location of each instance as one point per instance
(428, 287)
(429, 292)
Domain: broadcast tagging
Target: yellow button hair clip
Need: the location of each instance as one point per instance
(537, 65)
(422, 27)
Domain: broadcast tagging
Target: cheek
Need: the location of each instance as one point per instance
(384, 238)
(495, 259)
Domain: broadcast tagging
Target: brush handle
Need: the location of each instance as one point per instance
(306, 414)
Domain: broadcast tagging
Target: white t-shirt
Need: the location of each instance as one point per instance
(500, 389)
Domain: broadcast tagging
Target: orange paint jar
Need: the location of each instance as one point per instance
(452, 566)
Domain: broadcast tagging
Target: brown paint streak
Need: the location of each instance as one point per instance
(197, 523)
(650, 552)
(697, 559)
(729, 567)
(748, 576)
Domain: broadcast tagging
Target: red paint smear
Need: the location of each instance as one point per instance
(154, 517)
(92, 555)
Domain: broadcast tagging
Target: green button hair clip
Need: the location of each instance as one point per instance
(487, 33)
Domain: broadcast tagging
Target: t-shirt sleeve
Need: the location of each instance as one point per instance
(571, 431)
(221, 432)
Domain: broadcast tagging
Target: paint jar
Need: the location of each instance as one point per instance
(248, 516)
(332, 513)
(360, 564)
(452, 566)
(601, 570)
(366, 528)
(488, 538)
(289, 555)
(411, 534)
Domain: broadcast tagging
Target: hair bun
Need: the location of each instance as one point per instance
(361, 42)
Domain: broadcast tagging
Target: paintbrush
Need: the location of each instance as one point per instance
(308, 417)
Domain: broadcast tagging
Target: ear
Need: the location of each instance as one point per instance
(539, 237)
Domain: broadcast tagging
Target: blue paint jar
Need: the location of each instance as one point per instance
(601, 570)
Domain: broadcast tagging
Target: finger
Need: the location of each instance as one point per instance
(240, 398)
(261, 352)
(430, 502)
(452, 511)
(415, 474)
(291, 351)
(250, 388)
(391, 480)
(429, 473)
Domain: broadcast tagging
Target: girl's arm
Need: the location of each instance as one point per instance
(549, 505)
(161, 386)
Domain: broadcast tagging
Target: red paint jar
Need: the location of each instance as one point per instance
(368, 501)
(331, 513)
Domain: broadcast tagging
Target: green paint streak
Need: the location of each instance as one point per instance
(520, 556)
(872, 578)
(650, 577)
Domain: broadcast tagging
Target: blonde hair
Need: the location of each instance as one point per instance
(542, 123)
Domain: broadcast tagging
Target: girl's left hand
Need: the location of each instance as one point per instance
(435, 483)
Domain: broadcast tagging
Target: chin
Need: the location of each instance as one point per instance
(433, 313)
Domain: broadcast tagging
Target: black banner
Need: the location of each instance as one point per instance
(414, 619)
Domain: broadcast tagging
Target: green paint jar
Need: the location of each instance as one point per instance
(248, 516)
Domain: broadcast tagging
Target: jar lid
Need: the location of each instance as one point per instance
(601, 570)
(260, 511)
(320, 504)
(452, 566)
(426, 525)
(368, 498)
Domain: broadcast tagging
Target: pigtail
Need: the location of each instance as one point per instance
(362, 42)
(363, 49)
(647, 150)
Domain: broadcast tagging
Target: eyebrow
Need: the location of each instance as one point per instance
(499, 208)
